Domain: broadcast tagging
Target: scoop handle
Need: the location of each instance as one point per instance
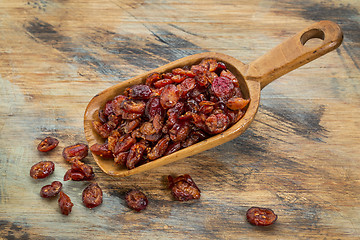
(293, 52)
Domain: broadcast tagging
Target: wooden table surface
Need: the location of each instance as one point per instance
(300, 156)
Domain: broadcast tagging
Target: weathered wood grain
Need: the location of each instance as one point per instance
(299, 157)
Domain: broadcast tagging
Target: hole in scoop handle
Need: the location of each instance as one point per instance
(294, 53)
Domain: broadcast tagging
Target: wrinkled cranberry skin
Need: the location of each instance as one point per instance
(51, 190)
(92, 196)
(169, 96)
(79, 171)
(139, 92)
(222, 87)
(183, 188)
(42, 169)
(101, 150)
(47, 144)
(136, 200)
(65, 203)
(261, 216)
(77, 151)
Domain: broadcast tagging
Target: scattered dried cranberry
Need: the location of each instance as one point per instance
(75, 152)
(47, 144)
(92, 196)
(261, 216)
(51, 190)
(79, 171)
(183, 188)
(136, 200)
(42, 169)
(65, 203)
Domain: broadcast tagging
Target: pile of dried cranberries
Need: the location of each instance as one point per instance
(171, 111)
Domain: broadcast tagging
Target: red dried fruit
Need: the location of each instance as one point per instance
(92, 196)
(51, 190)
(79, 171)
(132, 106)
(222, 87)
(101, 150)
(135, 155)
(163, 82)
(167, 75)
(169, 96)
(229, 75)
(130, 125)
(179, 132)
(186, 86)
(172, 148)
(159, 149)
(153, 77)
(136, 200)
(124, 144)
(139, 92)
(261, 216)
(209, 64)
(65, 203)
(183, 188)
(75, 152)
(102, 129)
(179, 71)
(217, 123)
(121, 158)
(47, 144)
(130, 115)
(178, 78)
(236, 103)
(42, 169)
(171, 111)
(153, 108)
(116, 105)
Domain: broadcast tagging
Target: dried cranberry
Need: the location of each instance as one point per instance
(236, 103)
(163, 82)
(125, 144)
(79, 171)
(140, 92)
(153, 108)
(159, 149)
(42, 169)
(135, 155)
(183, 188)
(101, 150)
(65, 203)
(47, 144)
(172, 148)
(217, 123)
(136, 200)
(222, 87)
(261, 216)
(75, 152)
(92, 195)
(51, 190)
(103, 129)
(209, 64)
(169, 96)
(152, 78)
(121, 157)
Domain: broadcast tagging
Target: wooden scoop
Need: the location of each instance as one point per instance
(284, 58)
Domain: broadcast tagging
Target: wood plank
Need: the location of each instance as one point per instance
(300, 156)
